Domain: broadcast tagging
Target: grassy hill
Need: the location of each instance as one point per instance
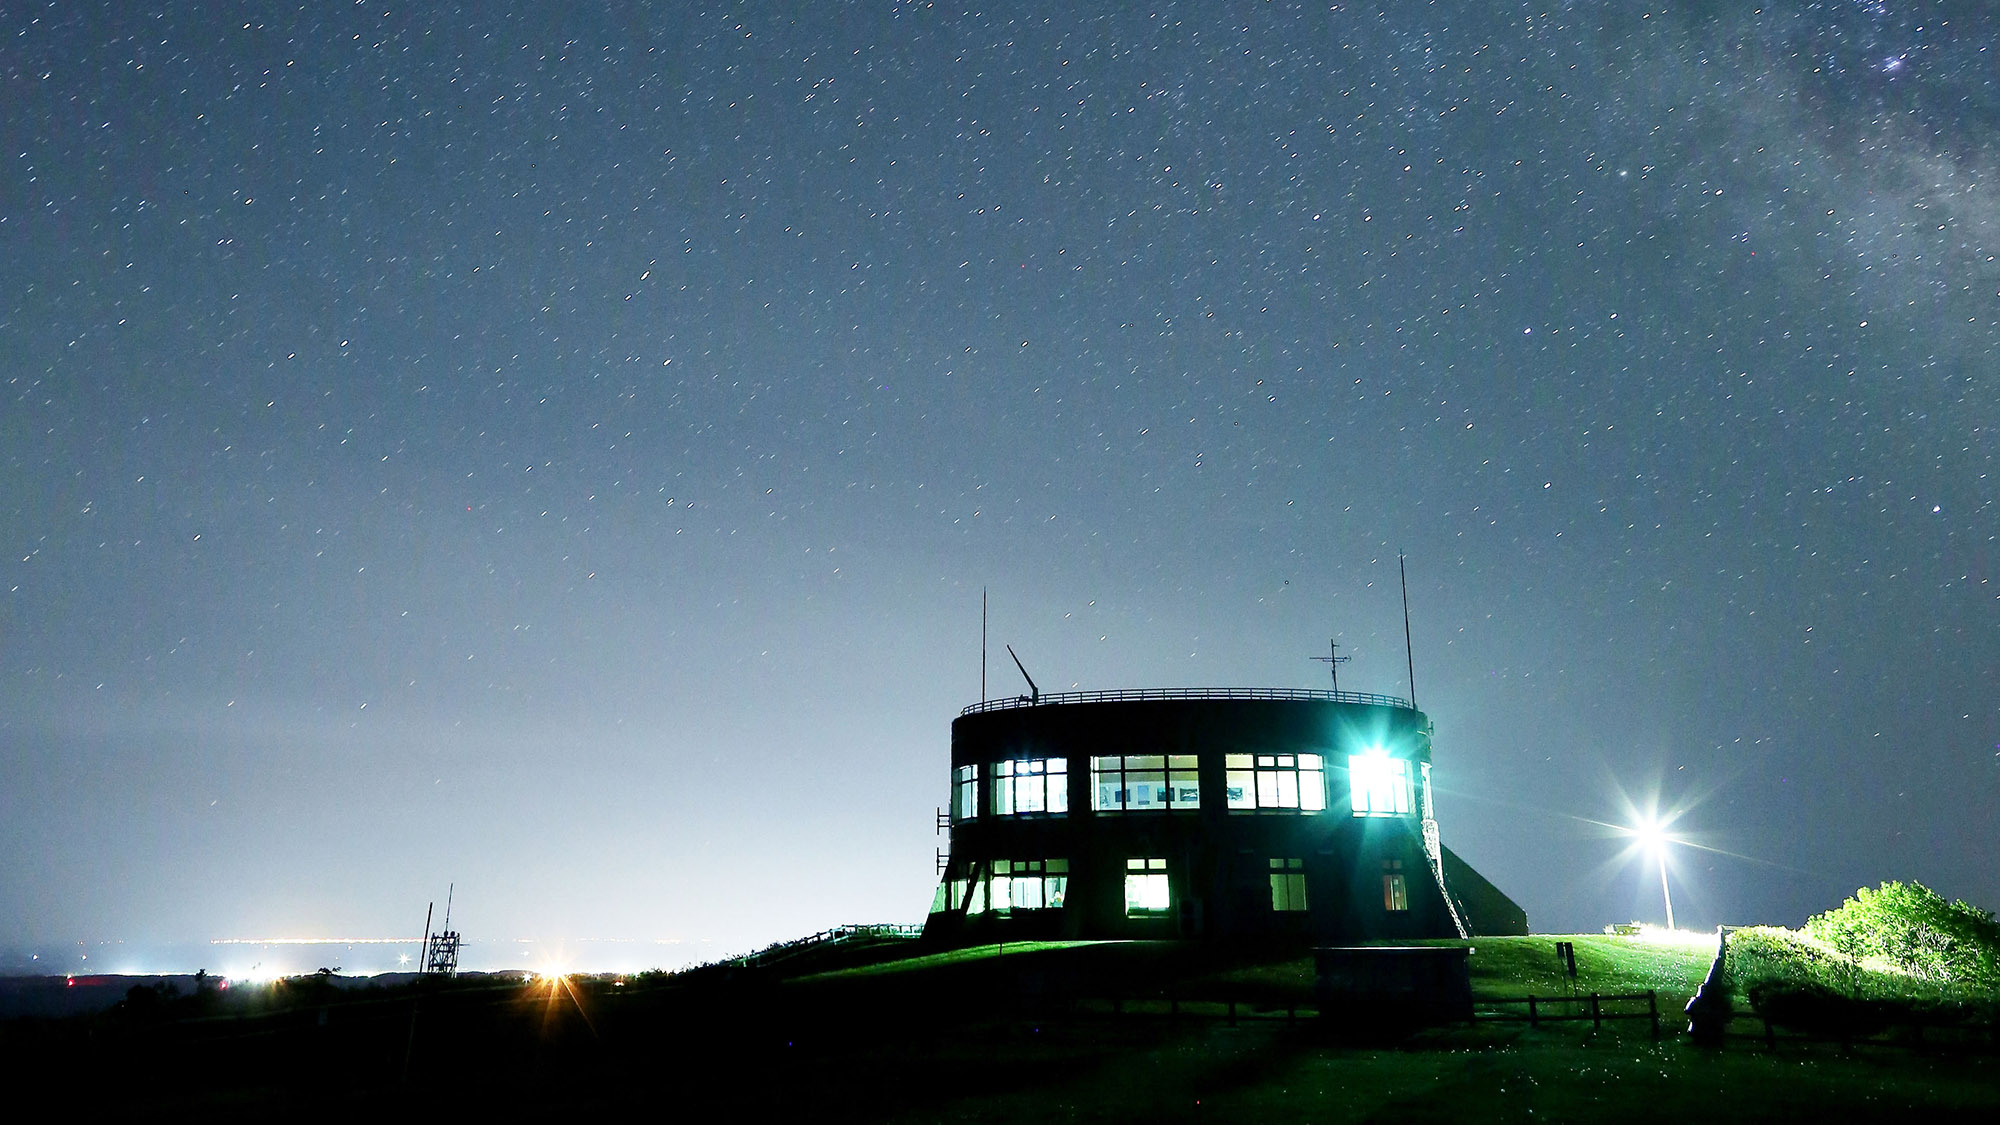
(885, 1031)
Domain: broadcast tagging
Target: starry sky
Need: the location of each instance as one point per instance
(559, 451)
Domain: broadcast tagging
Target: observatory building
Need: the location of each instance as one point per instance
(1254, 815)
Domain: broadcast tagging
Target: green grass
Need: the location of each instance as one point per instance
(923, 962)
(1502, 967)
(1103, 1069)
(1771, 954)
(983, 1034)
(1095, 1067)
(1518, 966)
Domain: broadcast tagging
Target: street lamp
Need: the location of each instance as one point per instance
(1655, 840)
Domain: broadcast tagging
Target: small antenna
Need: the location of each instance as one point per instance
(448, 889)
(1035, 693)
(1408, 653)
(424, 951)
(982, 644)
(1333, 661)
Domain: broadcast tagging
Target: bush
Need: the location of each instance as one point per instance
(1916, 930)
(1770, 954)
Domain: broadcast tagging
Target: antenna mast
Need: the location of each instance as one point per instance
(982, 644)
(441, 948)
(1409, 655)
(1333, 661)
(1035, 693)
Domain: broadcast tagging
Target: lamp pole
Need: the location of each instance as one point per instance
(1661, 851)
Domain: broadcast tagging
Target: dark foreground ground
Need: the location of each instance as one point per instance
(1105, 1032)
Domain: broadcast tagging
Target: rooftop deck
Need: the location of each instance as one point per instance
(1124, 695)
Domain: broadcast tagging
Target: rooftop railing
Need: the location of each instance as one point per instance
(1130, 694)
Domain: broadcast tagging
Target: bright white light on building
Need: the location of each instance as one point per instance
(1379, 785)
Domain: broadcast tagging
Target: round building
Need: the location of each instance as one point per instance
(1214, 814)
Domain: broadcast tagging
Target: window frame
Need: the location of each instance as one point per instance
(1174, 774)
(1395, 888)
(1052, 875)
(1381, 775)
(1050, 775)
(1294, 783)
(1150, 872)
(1288, 885)
(965, 793)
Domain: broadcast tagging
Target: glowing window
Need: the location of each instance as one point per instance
(1146, 890)
(1275, 781)
(1004, 885)
(1144, 783)
(1288, 884)
(1379, 784)
(951, 894)
(1031, 785)
(1395, 892)
(965, 793)
(1029, 884)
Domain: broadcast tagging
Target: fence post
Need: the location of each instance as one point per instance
(1596, 1016)
(1532, 1020)
(1653, 1009)
(1232, 1011)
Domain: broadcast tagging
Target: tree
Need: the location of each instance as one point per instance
(1919, 931)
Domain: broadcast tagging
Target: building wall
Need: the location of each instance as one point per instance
(1218, 859)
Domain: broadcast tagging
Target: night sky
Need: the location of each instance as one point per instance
(559, 453)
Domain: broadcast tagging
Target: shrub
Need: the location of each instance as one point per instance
(1769, 954)
(1915, 929)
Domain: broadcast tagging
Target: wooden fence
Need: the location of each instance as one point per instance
(1563, 1009)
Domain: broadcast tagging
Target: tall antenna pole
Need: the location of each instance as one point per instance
(1409, 654)
(982, 644)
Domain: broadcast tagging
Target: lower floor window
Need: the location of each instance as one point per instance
(1288, 884)
(1146, 889)
(1029, 884)
(1002, 885)
(1395, 892)
(951, 895)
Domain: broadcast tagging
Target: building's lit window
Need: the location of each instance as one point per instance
(1288, 884)
(951, 895)
(1003, 885)
(1395, 892)
(965, 793)
(1146, 887)
(1144, 782)
(1379, 784)
(1275, 781)
(1029, 884)
(1031, 785)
